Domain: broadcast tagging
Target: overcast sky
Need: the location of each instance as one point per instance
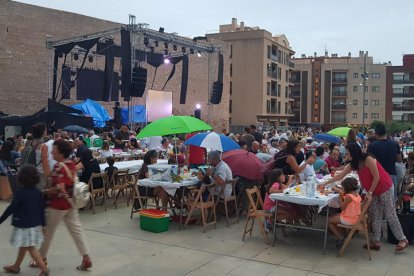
(384, 28)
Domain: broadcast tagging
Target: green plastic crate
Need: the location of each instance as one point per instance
(155, 225)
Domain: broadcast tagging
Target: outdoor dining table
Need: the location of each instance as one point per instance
(133, 165)
(170, 188)
(319, 200)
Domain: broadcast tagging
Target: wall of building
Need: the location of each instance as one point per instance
(23, 63)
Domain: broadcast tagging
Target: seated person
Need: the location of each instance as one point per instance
(222, 175)
(350, 203)
(89, 165)
(105, 151)
(308, 172)
(332, 161)
(320, 166)
(111, 168)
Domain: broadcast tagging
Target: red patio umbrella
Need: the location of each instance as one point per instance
(244, 163)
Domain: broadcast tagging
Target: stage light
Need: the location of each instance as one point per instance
(198, 106)
(191, 51)
(161, 30)
(166, 61)
(166, 52)
(90, 58)
(146, 41)
(166, 45)
(199, 54)
(175, 47)
(183, 49)
(76, 56)
(156, 43)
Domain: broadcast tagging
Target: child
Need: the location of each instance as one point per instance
(350, 203)
(275, 185)
(204, 179)
(28, 209)
(111, 168)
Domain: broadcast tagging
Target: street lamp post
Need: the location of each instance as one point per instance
(364, 76)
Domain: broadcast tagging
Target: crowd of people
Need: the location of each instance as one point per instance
(50, 163)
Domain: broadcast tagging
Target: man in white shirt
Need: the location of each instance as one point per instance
(309, 171)
(152, 143)
(221, 175)
(92, 136)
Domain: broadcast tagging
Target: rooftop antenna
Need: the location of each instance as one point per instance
(132, 21)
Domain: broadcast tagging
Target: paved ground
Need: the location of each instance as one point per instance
(119, 247)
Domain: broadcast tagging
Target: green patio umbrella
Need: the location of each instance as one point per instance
(339, 131)
(173, 125)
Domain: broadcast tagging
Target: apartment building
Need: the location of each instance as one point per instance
(400, 91)
(260, 68)
(328, 90)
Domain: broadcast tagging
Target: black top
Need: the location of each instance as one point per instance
(300, 157)
(143, 171)
(81, 149)
(89, 167)
(27, 207)
(280, 163)
(257, 136)
(385, 151)
(110, 171)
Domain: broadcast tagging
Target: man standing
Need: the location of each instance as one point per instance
(385, 151)
(257, 136)
(221, 175)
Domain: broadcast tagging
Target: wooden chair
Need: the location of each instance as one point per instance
(204, 206)
(361, 226)
(100, 191)
(225, 199)
(139, 200)
(255, 212)
(119, 184)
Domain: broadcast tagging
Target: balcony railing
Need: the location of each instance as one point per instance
(338, 120)
(273, 57)
(339, 94)
(408, 81)
(339, 106)
(291, 64)
(295, 93)
(272, 74)
(339, 80)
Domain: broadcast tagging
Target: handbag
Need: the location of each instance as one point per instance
(5, 189)
(81, 194)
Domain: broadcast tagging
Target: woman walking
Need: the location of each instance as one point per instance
(59, 205)
(378, 184)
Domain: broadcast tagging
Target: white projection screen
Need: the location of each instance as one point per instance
(159, 104)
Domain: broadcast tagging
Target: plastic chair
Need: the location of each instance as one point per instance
(98, 142)
(88, 142)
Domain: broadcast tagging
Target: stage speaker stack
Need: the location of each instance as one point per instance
(217, 92)
(139, 81)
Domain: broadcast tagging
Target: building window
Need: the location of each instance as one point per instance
(287, 75)
(269, 51)
(355, 102)
(365, 115)
(375, 102)
(375, 88)
(398, 77)
(376, 75)
(339, 77)
(366, 102)
(355, 75)
(278, 90)
(354, 115)
(374, 115)
(286, 92)
(366, 88)
(278, 107)
(231, 69)
(268, 89)
(273, 106)
(268, 107)
(231, 51)
(230, 120)
(286, 108)
(355, 88)
(230, 106)
(279, 73)
(231, 88)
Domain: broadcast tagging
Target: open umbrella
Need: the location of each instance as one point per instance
(75, 129)
(324, 137)
(339, 131)
(244, 163)
(173, 125)
(212, 140)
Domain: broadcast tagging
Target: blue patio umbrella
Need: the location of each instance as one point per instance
(213, 141)
(323, 137)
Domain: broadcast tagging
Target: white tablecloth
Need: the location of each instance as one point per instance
(169, 187)
(133, 165)
(320, 200)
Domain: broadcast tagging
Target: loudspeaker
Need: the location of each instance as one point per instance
(197, 113)
(139, 81)
(217, 92)
(126, 64)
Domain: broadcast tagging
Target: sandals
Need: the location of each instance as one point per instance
(33, 264)
(11, 269)
(373, 246)
(86, 263)
(400, 248)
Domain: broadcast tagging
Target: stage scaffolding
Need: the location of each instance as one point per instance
(137, 34)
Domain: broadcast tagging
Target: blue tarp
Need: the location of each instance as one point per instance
(138, 114)
(95, 110)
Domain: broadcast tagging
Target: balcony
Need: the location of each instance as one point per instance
(273, 92)
(403, 108)
(295, 94)
(339, 94)
(294, 80)
(404, 81)
(273, 110)
(339, 106)
(291, 64)
(272, 75)
(339, 80)
(408, 94)
(273, 57)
